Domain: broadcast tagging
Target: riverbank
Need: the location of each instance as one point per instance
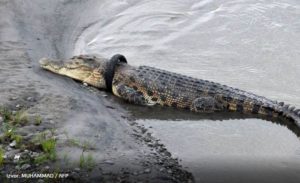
(94, 138)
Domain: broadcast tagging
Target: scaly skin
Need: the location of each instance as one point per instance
(151, 86)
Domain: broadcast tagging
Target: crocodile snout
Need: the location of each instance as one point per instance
(44, 61)
(50, 64)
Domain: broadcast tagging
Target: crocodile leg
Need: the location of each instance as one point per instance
(129, 94)
(206, 104)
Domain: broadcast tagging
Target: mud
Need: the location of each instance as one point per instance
(122, 150)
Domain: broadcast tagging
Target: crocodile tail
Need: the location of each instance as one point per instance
(275, 109)
(289, 112)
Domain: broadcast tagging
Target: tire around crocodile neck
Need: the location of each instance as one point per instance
(110, 69)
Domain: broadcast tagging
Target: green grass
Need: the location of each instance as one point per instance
(44, 142)
(18, 139)
(37, 120)
(85, 145)
(43, 158)
(66, 159)
(90, 162)
(49, 148)
(81, 160)
(86, 162)
(7, 132)
(75, 142)
(6, 114)
(1, 156)
(20, 118)
(49, 151)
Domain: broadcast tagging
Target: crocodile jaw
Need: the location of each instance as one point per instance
(82, 73)
(51, 65)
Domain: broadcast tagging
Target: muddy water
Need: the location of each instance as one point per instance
(248, 44)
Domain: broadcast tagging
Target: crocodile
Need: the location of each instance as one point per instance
(145, 85)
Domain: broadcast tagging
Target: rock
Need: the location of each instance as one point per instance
(147, 170)
(170, 171)
(40, 181)
(109, 162)
(13, 98)
(168, 154)
(13, 144)
(85, 84)
(135, 173)
(1, 119)
(34, 154)
(17, 157)
(161, 169)
(18, 106)
(29, 99)
(25, 166)
(25, 153)
(146, 139)
(11, 154)
(110, 107)
(150, 144)
(46, 167)
(144, 130)
(77, 169)
(106, 172)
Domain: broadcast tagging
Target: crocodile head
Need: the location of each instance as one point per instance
(87, 69)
